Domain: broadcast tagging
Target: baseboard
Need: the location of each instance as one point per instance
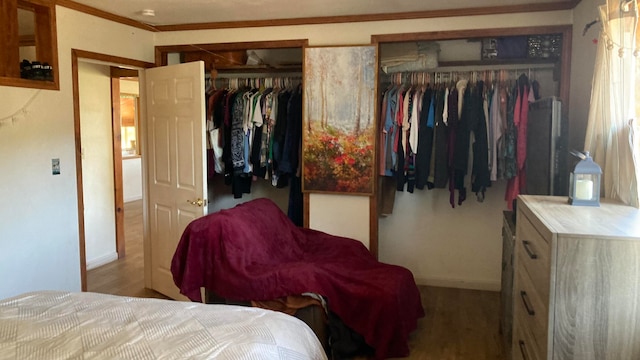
(101, 260)
(135, 198)
(460, 283)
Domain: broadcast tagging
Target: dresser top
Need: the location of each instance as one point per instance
(610, 219)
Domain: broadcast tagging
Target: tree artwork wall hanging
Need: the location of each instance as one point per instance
(338, 135)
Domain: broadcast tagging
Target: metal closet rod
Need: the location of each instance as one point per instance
(487, 74)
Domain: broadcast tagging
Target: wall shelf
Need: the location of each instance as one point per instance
(37, 19)
(27, 83)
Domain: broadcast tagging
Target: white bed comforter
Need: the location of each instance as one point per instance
(63, 325)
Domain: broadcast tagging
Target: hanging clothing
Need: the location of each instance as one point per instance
(517, 183)
(452, 121)
(440, 141)
(425, 139)
(466, 110)
(433, 136)
(478, 127)
(250, 128)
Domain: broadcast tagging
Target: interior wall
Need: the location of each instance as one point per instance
(131, 166)
(221, 196)
(39, 232)
(582, 65)
(349, 215)
(132, 179)
(445, 246)
(97, 163)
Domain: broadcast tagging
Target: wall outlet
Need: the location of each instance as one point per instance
(55, 166)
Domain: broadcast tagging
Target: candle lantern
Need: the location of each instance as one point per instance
(584, 183)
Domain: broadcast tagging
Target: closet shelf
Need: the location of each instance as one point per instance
(239, 69)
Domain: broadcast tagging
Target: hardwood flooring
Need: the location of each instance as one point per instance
(125, 276)
(459, 324)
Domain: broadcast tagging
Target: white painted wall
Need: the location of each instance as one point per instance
(131, 167)
(132, 179)
(455, 252)
(129, 87)
(97, 163)
(39, 212)
(39, 226)
(583, 62)
(38, 215)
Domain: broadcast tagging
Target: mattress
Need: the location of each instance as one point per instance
(64, 325)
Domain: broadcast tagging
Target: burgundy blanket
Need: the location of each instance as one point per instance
(254, 252)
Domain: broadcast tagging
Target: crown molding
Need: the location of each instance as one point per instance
(69, 4)
(472, 11)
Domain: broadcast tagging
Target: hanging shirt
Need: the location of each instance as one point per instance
(495, 121)
(415, 121)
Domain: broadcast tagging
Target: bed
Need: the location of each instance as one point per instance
(67, 325)
(253, 252)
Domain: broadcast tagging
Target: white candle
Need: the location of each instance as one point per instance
(584, 189)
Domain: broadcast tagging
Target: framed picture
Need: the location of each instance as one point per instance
(338, 135)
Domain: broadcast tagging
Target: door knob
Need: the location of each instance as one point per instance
(198, 202)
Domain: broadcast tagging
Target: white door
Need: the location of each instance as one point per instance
(176, 163)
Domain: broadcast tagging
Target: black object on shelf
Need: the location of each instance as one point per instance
(25, 69)
(47, 72)
(36, 70)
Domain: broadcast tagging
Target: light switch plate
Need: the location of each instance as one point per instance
(55, 166)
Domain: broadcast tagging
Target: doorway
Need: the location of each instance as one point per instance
(128, 63)
(115, 198)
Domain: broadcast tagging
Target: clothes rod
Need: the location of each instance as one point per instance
(259, 75)
(492, 68)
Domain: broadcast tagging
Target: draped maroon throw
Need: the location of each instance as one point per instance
(254, 252)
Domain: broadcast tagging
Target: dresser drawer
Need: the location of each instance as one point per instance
(531, 312)
(533, 256)
(523, 347)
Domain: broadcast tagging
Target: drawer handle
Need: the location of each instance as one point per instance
(527, 248)
(525, 301)
(523, 350)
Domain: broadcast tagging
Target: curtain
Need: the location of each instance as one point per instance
(610, 136)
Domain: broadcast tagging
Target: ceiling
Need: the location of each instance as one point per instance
(171, 12)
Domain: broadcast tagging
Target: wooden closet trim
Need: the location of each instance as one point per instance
(163, 51)
(565, 76)
(161, 58)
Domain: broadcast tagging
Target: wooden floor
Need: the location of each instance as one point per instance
(460, 324)
(125, 276)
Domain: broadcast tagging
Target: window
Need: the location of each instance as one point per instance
(129, 115)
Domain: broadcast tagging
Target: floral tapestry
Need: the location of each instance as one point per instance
(339, 119)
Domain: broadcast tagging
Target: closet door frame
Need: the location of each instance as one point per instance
(564, 79)
(162, 59)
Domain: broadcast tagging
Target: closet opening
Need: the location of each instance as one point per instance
(260, 81)
(444, 225)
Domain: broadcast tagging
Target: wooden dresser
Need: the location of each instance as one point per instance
(576, 292)
(506, 288)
